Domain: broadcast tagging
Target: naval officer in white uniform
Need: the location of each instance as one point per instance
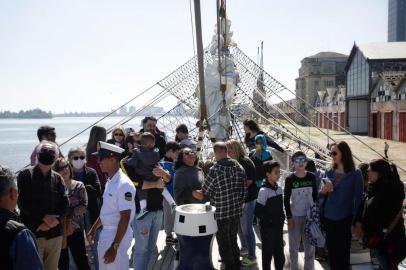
(117, 211)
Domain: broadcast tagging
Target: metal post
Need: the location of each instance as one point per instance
(200, 61)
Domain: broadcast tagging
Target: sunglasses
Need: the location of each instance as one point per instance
(119, 134)
(300, 160)
(333, 153)
(81, 157)
(190, 153)
(61, 168)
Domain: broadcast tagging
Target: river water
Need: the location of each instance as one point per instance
(18, 137)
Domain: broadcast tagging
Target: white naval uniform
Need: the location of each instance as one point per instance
(118, 196)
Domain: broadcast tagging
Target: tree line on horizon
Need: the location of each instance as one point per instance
(34, 113)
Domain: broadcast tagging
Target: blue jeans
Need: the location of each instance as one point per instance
(146, 234)
(247, 228)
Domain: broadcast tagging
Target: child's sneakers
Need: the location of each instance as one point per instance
(170, 240)
(248, 262)
(142, 214)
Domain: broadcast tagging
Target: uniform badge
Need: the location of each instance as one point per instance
(128, 196)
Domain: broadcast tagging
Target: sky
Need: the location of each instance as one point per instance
(94, 55)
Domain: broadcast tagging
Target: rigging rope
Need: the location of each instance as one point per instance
(307, 119)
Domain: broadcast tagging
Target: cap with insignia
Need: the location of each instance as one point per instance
(105, 150)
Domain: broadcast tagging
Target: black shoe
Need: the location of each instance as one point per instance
(170, 240)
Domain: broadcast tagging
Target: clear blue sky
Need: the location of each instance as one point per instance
(93, 55)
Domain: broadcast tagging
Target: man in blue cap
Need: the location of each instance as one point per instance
(117, 211)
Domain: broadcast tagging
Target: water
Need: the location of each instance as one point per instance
(18, 137)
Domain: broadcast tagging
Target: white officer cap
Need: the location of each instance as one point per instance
(108, 150)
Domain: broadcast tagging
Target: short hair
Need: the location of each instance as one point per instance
(311, 166)
(179, 160)
(7, 180)
(268, 166)
(219, 146)
(172, 145)
(298, 154)
(61, 163)
(147, 137)
(44, 130)
(363, 167)
(146, 118)
(74, 150)
(182, 128)
(48, 145)
(239, 150)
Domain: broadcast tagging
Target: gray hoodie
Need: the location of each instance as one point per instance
(187, 179)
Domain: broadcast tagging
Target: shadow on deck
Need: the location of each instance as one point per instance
(166, 254)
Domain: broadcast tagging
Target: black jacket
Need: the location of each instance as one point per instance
(250, 171)
(160, 142)
(383, 204)
(94, 193)
(269, 206)
(9, 228)
(41, 195)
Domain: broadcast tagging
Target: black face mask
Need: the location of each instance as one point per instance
(46, 158)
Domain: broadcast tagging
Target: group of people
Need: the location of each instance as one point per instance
(127, 188)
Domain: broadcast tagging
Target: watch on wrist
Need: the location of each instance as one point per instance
(115, 245)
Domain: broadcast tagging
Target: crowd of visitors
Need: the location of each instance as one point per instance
(126, 188)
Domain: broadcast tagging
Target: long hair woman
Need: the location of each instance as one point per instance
(252, 129)
(246, 230)
(343, 187)
(381, 215)
(97, 133)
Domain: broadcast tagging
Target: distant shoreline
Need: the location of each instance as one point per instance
(30, 114)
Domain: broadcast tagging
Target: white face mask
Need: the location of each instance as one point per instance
(78, 164)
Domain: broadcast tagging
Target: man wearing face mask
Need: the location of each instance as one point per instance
(42, 202)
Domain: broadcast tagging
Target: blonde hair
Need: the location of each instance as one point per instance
(237, 147)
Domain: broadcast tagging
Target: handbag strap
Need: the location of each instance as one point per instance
(338, 180)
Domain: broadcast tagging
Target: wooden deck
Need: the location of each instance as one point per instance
(164, 259)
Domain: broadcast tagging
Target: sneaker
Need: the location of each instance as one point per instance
(170, 240)
(142, 214)
(248, 262)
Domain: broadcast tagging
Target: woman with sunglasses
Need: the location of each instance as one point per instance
(73, 224)
(382, 211)
(89, 177)
(117, 137)
(188, 178)
(342, 186)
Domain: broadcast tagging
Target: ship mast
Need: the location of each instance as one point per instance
(200, 62)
